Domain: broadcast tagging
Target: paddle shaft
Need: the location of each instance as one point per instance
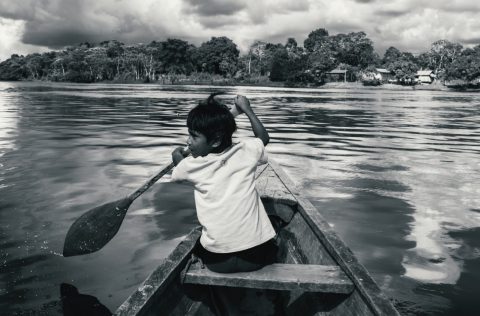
(150, 182)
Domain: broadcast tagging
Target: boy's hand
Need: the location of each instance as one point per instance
(242, 103)
(178, 154)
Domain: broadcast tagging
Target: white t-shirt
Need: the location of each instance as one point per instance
(228, 205)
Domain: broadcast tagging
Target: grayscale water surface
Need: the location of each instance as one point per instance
(396, 172)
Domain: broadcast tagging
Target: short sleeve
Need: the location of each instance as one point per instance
(256, 148)
(180, 172)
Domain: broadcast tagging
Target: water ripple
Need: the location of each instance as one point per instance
(395, 172)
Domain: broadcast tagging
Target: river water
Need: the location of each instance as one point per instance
(396, 172)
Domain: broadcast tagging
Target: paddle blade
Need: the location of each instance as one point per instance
(94, 229)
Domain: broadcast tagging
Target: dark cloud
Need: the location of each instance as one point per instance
(213, 7)
(25, 15)
(60, 38)
(17, 10)
(364, 1)
(291, 6)
(460, 8)
(261, 12)
(59, 33)
(60, 23)
(57, 39)
(471, 41)
(214, 14)
(392, 13)
(218, 22)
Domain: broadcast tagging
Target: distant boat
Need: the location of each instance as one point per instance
(315, 272)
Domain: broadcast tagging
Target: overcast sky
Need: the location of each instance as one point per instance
(28, 26)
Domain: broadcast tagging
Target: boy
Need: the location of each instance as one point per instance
(237, 235)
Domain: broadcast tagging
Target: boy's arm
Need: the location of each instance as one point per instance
(258, 129)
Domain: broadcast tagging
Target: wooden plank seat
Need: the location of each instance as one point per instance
(306, 277)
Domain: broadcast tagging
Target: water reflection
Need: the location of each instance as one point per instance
(395, 172)
(77, 304)
(174, 209)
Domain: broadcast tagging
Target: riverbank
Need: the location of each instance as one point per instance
(435, 86)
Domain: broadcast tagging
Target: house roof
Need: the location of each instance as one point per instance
(383, 71)
(424, 72)
(337, 71)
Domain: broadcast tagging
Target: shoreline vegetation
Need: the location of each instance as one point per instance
(263, 83)
(435, 86)
(324, 60)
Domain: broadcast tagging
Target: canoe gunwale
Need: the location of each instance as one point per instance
(159, 279)
(342, 254)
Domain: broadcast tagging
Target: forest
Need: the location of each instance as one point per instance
(176, 60)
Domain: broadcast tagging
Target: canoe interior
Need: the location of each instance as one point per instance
(303, 237)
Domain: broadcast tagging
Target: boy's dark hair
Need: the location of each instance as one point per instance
(214, 120)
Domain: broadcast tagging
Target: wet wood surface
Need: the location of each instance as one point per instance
(308, 277)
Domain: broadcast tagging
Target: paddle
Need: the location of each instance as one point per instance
(95, 228)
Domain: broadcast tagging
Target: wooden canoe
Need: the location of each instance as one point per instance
(316, 274)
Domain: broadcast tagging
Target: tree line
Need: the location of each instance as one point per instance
(219, 56)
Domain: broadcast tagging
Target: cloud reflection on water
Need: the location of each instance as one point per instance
(395, 172)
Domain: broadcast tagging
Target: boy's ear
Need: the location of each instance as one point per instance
(216, 141)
